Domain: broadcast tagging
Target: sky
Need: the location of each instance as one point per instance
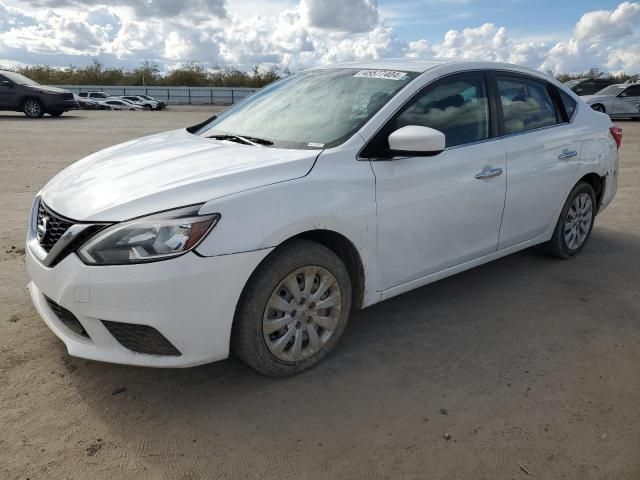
(560, 36)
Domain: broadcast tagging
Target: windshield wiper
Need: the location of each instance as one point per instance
(242, 139)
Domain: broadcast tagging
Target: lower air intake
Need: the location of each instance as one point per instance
(141, 338)
(67, 318)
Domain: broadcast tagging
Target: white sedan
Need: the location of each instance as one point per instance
(120, 104)
(330, 190)
(618, 101)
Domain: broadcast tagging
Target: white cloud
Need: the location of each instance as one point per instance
(292, 33)
(605, 24)
(352, 16)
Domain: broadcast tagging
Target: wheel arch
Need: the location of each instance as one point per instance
(597, 182)
(343, 248)
(348, 253)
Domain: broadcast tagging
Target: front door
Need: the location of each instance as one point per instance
(441, 211)
(8, 96)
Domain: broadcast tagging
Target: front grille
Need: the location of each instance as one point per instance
(67, 318)
(50, 227)
(141, 338)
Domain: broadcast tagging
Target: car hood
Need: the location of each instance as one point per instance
(165, 171)
(600, 98)
(46, 88)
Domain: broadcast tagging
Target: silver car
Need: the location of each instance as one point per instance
(619, 101)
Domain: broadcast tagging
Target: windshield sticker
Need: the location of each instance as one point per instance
(315, 145)
(382, 74)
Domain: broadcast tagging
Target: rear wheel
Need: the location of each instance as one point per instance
(599, 108)
(32, 108)
(293, 310)
(575, 223)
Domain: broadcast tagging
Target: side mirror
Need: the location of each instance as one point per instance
(579, 91)
(6, 83)
(416, 141)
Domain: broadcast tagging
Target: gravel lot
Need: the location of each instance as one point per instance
(528, 364)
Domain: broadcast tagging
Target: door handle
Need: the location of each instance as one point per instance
(494, 172)
(564, 155)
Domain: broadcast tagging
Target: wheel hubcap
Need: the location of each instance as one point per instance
(302, 313)
(32, 108)
(578, 221)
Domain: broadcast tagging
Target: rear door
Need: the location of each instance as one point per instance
(543, 151)
(440, 211)
(628, 102)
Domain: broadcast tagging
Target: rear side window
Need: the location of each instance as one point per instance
(526, 104)
(457, 107)
(568, 102)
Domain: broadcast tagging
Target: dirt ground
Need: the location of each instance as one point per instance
(528, 367)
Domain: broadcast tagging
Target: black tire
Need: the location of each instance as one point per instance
(247, 339)
(147, 107)
(56, 113)
(598, 107)
(32, 108)
(558, 246)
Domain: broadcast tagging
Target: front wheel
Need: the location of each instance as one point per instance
(575, 223)
(293, 310)
(32, 108)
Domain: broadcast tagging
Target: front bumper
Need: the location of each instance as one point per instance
(190, 300)
(64, 105)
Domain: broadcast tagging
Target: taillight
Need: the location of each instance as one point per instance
(616, 133)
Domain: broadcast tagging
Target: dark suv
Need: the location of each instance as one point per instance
(21, 94)
(588, 86)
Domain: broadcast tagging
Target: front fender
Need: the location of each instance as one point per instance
(337, 195)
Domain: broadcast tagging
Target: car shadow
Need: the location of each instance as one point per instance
(453, 336)
(22, 117)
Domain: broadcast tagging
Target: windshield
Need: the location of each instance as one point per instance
(611, 90)
(313, 109)
(19, 79)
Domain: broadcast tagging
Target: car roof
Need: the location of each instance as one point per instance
(422, 65)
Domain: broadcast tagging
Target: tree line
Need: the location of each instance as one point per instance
(195, 75)
(148, 74)
(597, 73)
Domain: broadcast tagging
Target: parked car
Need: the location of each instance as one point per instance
(161, 103)
(618, 101)
(98, 96)
(146, 104)
(21, 94)
(120, 104)
(261, 232)
(88, 104)
(588, 86)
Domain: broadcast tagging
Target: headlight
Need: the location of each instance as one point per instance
(147, 239)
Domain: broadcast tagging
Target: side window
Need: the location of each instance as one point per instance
(568, 102)
(457, 107)
(83, 94)
(526, 104)
(632, 91)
